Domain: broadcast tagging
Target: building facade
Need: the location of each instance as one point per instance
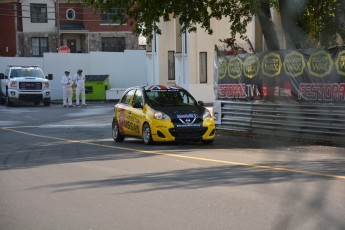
(187, 60)
(38, 26)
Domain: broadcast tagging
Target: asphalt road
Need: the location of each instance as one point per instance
(60, 169)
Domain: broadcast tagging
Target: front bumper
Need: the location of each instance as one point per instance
(165, 131)
(16, 95)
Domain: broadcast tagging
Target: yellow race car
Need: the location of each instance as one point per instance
(162, 114)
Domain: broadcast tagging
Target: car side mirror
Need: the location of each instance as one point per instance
(50, 76)
(201, 103)
(2, 76)
(137, 105)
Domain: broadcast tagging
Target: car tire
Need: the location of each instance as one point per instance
(207, 142)
(147, 135)
(117, 136)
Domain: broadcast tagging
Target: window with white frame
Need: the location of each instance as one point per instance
(39, 46)
(203, 67)
(70, 14)
(38, 13)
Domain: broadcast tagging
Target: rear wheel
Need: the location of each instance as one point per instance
(117, 136)
(147, 136)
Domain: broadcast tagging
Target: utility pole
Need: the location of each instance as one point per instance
(16, 26)
(58, 24)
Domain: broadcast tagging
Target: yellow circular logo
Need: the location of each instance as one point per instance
(235, 67)
(320, 64)
(251, 66)
(294, 64)
(271, 65)
(222, 68)
(340, 63)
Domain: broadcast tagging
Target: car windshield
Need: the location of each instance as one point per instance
(26, 72)
(169, 98)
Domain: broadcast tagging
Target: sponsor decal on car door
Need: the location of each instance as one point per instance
(131, 122)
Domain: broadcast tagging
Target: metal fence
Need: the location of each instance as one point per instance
(319, 122)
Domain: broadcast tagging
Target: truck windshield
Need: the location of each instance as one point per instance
(26, 72)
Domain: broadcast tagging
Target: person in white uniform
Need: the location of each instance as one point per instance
(67, 83)
(79, 79)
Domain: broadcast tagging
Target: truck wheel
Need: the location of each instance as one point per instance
(2, 99)
(46, 103)
(8, 102)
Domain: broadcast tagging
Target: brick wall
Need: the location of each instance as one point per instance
(7, 30)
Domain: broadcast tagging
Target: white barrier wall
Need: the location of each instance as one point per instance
(125, 69)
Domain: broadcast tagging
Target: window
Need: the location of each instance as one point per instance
(185, 43)
(114, 44)
(39, 46)
(171, 65)
(70, 14)
(112, 16)
(127, 98)
(138, 97)
(38, 13)
(203, 67)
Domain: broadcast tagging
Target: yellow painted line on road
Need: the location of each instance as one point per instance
(184, 156)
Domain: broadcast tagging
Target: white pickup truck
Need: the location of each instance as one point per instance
(25, 83)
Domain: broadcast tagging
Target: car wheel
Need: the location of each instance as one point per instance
(207, 142)
(117, 136)
(147, 136)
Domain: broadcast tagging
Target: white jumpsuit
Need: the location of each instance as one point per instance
(67, 83)
(79, 79)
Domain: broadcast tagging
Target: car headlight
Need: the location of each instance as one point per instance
(161, 116)
(13, 84)
(45, 84)
(207, 114)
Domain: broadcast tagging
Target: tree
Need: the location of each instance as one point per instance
(307, 23)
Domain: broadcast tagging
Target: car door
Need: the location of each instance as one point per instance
(124, 113)
(137, 115)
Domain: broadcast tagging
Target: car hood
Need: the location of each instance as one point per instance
(177, 111)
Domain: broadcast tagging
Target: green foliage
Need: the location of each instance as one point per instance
(320, 22)
(317, 18)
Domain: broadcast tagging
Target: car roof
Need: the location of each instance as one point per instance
(163, 88)
(157, 88)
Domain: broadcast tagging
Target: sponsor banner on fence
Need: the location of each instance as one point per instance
(315, 75)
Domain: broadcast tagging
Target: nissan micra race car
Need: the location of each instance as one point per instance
(162, 114)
